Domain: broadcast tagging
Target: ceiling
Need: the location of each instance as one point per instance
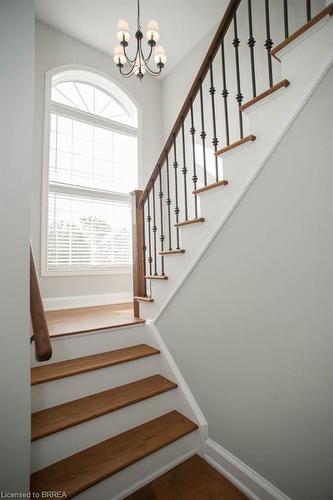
(183, 23)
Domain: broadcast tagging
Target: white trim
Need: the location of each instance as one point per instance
(89, 271)
(86, 192)
(44, 271)
(73, 302)
(241, 475)
(98, 121)
(157, 473)
(197, 414)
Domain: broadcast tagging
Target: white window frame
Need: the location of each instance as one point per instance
(98, 193)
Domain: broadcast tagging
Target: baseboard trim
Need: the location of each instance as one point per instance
(154, 475)
(72, 302)
(240, 474)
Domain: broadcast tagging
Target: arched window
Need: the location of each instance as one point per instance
(92, 168)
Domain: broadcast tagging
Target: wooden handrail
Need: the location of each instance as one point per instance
(213, 48)
(139, 283)
(41, 335)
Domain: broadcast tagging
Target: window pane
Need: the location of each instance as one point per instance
(90, 156)
(88, 233)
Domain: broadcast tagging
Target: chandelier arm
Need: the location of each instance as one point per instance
(152, 72)
(128, 59)
(129, 73)
(149, 55)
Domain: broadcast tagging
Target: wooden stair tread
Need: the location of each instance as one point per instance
(158, 277)
(172, 252)
(144, 299)
(78, 472)
(234, 145)
(191, 221)
(282, 84)
(210, 186)
(70, 367)
(328, 11)
(58, 418)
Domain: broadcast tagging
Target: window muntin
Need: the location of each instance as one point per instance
(92, 168)
(87, 155)
(91, 99)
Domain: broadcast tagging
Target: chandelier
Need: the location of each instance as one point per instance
(140, 64)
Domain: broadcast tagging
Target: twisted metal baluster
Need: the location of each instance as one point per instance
(239, 96)
(215, 140)
(195, 177)
(251, 43)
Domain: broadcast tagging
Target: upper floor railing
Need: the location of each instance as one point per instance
(237, 67)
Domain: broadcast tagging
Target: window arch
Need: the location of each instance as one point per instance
(92, 167)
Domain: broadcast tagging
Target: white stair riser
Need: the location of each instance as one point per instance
(303, 65)
(121, 484)
(84, 344)
(69, 388)
(50, 449)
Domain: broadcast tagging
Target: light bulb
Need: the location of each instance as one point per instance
(153, 30)
(118, 55)
(123, 31)
(159, 55)
(123, 34)
(153, 35)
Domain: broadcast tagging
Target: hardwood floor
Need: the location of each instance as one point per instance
(87, 319)
(193, 479)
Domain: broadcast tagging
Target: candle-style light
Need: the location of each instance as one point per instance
(139, 65)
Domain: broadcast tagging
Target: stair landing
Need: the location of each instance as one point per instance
(87, 319)
(193, 479)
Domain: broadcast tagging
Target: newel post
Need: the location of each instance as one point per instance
(139, 285)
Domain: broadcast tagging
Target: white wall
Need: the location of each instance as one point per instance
(253, 335)
(53, 49)
(16, 124)
(177, 83)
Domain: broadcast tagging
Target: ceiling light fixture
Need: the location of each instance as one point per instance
(139, 65)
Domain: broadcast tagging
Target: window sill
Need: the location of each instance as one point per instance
(87, 272)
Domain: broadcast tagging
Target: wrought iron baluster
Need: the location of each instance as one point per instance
(162, 237)
(308, 10)
(154, 232)
(150, 259)
(225, 94)
(215, 140)
(203, 134)
(268, 44)
(184, 170)
(177, 210)
(251, 43)
(168, 200)
(195, 177)
(286, 20)
(239, 96)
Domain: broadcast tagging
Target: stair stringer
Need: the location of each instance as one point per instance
(304, 64)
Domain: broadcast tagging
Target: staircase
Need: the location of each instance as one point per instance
(179, 222)
(111, 411)
(98, 414)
